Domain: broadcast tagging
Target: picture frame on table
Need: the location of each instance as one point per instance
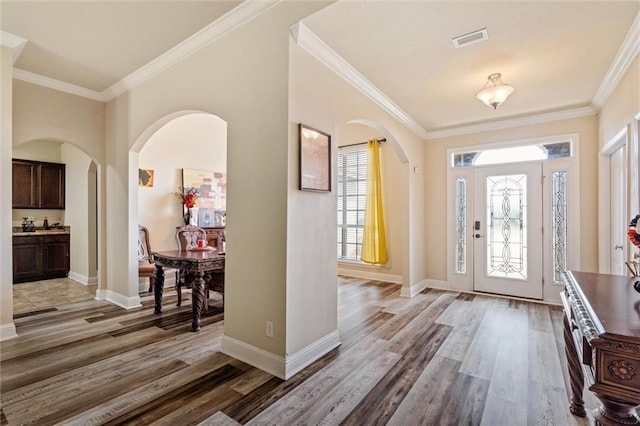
(315, 159)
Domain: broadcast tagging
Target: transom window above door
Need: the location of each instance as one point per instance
(512, 154)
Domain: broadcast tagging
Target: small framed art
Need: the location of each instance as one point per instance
(315, 159)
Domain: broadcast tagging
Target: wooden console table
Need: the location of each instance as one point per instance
(198, 262)
(602, 342)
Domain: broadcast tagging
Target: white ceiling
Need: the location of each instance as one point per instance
(555, 53)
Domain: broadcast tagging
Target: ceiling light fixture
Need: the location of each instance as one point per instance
(495, 91)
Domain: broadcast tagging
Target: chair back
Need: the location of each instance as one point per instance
(187, 236)
(144, 250)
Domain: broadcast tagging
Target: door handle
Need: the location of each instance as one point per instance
(477, 235)
(616, 247)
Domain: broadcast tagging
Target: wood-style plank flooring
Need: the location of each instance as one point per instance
(440, 358)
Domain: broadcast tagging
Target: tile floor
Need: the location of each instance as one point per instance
(36, 295)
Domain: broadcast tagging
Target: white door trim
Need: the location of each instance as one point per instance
(604, 197)
(464, 282)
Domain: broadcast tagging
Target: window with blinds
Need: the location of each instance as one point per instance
(352, 192)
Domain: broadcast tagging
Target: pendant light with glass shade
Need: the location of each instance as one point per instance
(495, 91)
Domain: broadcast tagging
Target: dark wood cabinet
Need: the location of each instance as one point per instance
(27, 258)
(40, 257)
(38, 185)
(24, 184)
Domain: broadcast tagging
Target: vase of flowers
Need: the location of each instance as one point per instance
(189, 199)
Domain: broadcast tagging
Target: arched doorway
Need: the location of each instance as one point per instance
(80, 213)
(395, 170)
(193, 140)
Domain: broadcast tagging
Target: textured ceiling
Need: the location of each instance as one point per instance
(555, 53)
(94, 44)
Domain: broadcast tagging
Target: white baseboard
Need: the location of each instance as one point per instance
(8, 331)
(118, 299)
(369, 275)
(259, 358)
(83, 279)
(311, 352)
(414, 289)
(275, 364)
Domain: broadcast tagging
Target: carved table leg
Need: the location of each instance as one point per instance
(197, 299)
(614, 412)
(575, 371)
(157, 289)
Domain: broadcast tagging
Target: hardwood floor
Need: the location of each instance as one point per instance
(440, 358)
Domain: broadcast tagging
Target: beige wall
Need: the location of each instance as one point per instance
(222, 79)
(7, 328)
(321, 99)
(79, 213)
(622, 105)
(40, 113)
(436, 186)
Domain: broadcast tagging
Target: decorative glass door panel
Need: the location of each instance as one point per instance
(508, 232)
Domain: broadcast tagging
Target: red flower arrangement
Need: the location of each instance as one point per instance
(632, 233)
(188, 198)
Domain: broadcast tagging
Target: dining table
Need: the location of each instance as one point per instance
(199, 261)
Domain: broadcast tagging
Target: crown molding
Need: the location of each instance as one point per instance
(229, 21)
(310, 42)
(513, 122)
(626, 54)
(13, 42)
(61, 86)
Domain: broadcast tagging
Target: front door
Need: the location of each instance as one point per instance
(507, 230)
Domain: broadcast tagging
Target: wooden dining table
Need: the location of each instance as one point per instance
(200, 262)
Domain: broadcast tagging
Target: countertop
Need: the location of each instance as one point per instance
(17, 231)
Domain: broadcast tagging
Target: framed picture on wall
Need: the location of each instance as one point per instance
(145, 177)
(315, 159)
(212, 190)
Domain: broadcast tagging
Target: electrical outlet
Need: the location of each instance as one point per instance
(269, 328)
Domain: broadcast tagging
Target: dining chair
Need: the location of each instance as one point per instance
(186, 239)
(146, 267)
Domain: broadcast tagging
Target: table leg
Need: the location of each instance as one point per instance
(197, 300)
(614, 412)
(576, 375)
(157, 289)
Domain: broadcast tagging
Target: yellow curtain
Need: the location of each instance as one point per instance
(374, 242)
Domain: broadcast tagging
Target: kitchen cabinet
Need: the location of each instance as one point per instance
(38, 185)
(40, 257)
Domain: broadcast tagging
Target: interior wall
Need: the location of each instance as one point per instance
(203, 142)
(77, 213)
(622, 105)
(321, 99)
(7, 328)
(40, 113)
(436, 189)
(249, 92)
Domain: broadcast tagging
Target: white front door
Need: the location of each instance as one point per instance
(618, 216)
(507, 230)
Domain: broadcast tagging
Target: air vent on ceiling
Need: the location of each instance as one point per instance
(473, 37)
